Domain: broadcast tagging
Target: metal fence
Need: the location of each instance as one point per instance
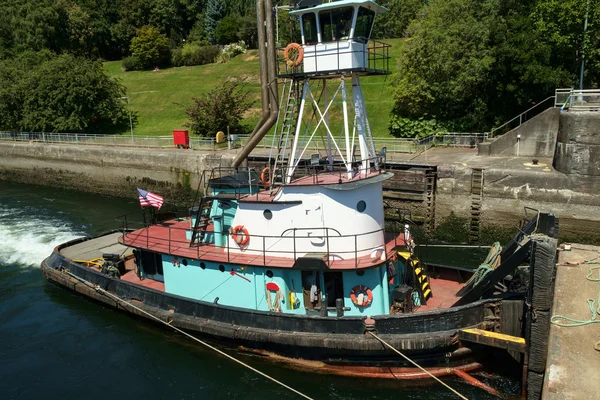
(392, 145)
(109, 140)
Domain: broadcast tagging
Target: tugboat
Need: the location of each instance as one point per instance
(296, 261)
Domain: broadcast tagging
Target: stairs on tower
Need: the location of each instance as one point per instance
(287, 131)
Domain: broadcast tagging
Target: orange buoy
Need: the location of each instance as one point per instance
(265, 176)
(361, 289)
(240, 235)
(293, 54)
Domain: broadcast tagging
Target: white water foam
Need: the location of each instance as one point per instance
(28, 241)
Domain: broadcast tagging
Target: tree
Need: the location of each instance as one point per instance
(393, 24)
(474, 64)
(219, 109)
(215, 10)
(151, 47)
(45, 92)
(227, 30)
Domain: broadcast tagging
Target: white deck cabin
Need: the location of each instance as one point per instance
(335, 35)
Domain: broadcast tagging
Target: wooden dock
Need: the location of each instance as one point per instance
(573, 364)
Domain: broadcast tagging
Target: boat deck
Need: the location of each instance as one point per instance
(170, 238)
(443, 287)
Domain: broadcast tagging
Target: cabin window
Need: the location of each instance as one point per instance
(202, 265)
(361, 206)
(221, 268)
(364, 24)
(268, 214)
(336, 24)
(269, 274)
(309, 26)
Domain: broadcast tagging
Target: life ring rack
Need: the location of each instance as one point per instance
(240, 235)
(265, 176)
(361, 289)
(293, 54)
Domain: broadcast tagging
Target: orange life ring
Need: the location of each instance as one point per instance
(240, 235)
(293, 54)
(265, 176)
(359, 289)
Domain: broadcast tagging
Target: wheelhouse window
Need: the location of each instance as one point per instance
(364, 24)
(309, 27)
(336, 24)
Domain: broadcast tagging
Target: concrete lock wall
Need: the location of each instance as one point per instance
(578, 144)
(537, 138)
(115, 171)
(507, 191)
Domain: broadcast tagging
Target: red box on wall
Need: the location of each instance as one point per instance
(181, 138)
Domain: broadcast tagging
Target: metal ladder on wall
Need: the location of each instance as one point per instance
(476, 202)
(430, 186)
(288, 126)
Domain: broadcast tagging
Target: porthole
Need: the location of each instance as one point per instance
(361, 206)
(269, 273)
(184, 262)
(202, 265)
(221, 268)
(360, 272)
(268, 214)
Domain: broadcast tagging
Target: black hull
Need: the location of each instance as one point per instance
(429, 338)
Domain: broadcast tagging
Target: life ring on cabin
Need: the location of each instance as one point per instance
(360, 289)
(240, 235)
(293, 54)
(265, 176)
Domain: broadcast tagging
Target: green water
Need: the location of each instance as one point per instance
(55, 344)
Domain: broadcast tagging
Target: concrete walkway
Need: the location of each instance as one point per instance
(573, 366)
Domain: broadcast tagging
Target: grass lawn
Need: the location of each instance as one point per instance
(160, 97)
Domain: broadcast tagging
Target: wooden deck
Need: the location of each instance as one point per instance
(169, 238)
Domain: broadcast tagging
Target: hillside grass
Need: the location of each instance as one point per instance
(159, 97)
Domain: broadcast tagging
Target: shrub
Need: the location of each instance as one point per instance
(231, 50)
(151, 47)
(218, 109)
(403, 127)
(194, 54)
(131, 63)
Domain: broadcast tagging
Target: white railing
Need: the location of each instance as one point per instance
(578, 100)
(109, 140)
(392, 145)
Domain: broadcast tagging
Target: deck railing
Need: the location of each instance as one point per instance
(258, 245)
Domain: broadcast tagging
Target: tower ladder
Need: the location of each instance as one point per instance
(287, 126)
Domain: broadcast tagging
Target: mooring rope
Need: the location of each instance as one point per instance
(119, 300)
(592, 304)
(416, 365)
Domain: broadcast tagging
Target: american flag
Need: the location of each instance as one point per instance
(149, 199)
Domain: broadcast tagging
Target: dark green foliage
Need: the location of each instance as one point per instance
(151, 48)
(227, 30)
(43, 92)
(219, 109)
(475, 64)
(394, 23)
(413, 128)
(194, 54)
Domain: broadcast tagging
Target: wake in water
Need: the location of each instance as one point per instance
(27, 237)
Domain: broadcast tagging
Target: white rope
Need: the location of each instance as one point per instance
(118, 299)
(417, 365)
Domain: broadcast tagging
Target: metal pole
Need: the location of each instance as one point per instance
(585, 24)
